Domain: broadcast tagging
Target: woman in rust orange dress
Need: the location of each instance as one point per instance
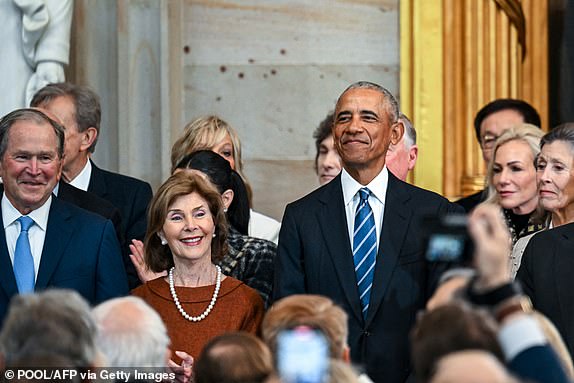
(187, 233)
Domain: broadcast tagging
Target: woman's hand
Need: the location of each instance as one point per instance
(183, 372)
(137, 257)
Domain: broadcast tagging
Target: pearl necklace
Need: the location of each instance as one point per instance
(211, 304)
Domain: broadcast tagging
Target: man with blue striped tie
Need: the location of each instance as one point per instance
(356, 239)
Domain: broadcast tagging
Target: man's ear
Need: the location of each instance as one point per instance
(413, 155)
(89, 136)
(397, 131)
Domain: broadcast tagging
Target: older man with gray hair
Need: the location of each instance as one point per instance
(402, 157)
(51, 328)
(131, 333)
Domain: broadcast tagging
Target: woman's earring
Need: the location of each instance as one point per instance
(214, 235)
(225, 210)
(162, 239)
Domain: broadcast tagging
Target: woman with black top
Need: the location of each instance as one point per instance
(512, 179)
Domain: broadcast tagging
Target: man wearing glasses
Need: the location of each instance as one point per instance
(489, 123)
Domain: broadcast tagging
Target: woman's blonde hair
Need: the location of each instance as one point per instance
(204, 133)
(527, 133)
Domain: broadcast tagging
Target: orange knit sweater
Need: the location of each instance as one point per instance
(238, 308)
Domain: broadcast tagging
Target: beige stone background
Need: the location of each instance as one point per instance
(272, 68)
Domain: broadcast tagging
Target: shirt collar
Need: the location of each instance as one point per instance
(40, 215)
(378, 186)
(82, 180)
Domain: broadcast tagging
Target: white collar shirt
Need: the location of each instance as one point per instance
(378, 188)
(82, 180)
(36, 233)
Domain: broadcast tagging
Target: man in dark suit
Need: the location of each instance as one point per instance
(64, 246)
(321, 244)
(93, 203)
(546, 276)
(79, 110)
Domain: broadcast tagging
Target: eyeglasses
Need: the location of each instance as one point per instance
(488, 141)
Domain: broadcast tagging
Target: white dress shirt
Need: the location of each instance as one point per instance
(82, 180)
(262, 226)
(520, 333)
(351, 198)
(36, 233)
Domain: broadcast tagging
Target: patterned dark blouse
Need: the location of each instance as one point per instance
(251, 261)
(522, 225)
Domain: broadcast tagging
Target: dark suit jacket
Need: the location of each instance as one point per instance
(538, 364)
(93, 203)
(546, 274)
(470, 202)
(314, 256)
(81, 252)
(131, 197)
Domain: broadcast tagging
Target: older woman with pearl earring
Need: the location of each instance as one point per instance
(187, 235)
(248, 259)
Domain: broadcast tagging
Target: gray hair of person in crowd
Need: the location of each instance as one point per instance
(29, 114)
(88, 110)
(410, 137)
(50, 324)
(131, 334)
(391, 104)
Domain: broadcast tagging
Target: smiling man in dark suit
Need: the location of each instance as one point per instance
(356, 239)
(79, 110)
(46, 242)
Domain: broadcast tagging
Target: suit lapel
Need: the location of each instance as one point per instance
(58, 233)
(333, 223)
(395, 224)
(97, 183)
(7, 278)
(563, 260)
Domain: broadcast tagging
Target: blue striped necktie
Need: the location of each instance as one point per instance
(364, 248)
(23, 260)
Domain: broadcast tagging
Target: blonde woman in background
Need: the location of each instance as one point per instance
(212, 133)
(512, 179)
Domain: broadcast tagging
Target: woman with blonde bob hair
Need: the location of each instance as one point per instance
(213, 133)
(209, 133)
(511, 179)
(187, 235)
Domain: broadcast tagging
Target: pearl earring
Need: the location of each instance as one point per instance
(214, 235)
(163, 241)
(225, 210)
